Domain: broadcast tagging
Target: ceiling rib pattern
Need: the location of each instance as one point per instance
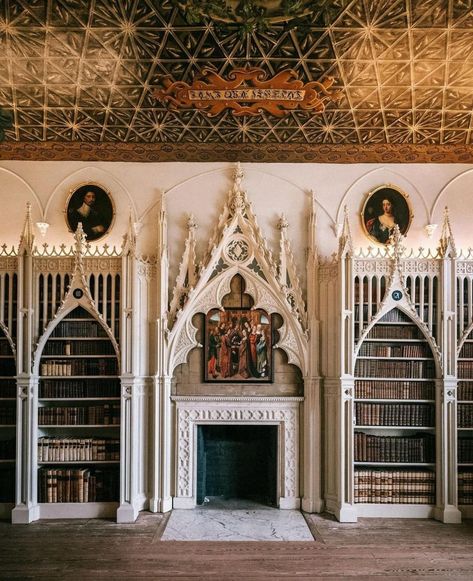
(74, 71)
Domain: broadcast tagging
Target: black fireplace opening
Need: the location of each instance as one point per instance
(237, 462)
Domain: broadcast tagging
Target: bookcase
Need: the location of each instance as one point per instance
(465, 425)
(78, 445)
(395, 415)
(7, 424)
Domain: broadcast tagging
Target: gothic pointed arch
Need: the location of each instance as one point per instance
(239, 247)
(397, 297)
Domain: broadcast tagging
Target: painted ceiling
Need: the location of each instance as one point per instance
(83, 73)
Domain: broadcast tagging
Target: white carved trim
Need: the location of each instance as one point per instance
(238, 224)
(282, 412)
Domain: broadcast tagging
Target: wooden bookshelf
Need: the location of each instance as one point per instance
(78, 453)
(465, 425)
(7, 425)
(394, 433)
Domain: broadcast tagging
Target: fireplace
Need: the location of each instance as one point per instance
(281, 414)
(235, 461)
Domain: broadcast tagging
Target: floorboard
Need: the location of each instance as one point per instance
(370, 549)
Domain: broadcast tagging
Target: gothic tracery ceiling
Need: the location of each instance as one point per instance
(84, 72)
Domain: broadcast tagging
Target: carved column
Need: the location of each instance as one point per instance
(26, 506)
(446, 406)
(161, 501)
(129, 345)
(312, 429)
(160, 498)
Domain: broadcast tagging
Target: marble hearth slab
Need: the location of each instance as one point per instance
(236, 521)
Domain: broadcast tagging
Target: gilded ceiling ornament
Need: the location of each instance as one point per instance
(247, 92)
(251, 15)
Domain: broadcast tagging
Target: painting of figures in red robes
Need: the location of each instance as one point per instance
(238, 346)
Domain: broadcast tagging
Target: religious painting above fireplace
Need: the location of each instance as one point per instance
(238, 346)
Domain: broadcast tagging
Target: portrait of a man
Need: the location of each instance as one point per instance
(385, 207)
(91, 205)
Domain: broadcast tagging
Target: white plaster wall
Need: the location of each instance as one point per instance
(201, 188)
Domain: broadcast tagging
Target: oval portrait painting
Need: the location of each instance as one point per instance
(385, 207)
(91, 205)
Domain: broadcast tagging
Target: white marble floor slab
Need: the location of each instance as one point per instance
(236, 521)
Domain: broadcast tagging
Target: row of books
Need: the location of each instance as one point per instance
(79, 388)
(77, 485)
(7, 449)
(7, 367)
(99, 347)
(61, 367)
(416, 448)
(7, 388)
(388, 350)
(465, 415)
(394, 486)
(379, 389)
(7, 415)
(7, 483)
(465, 369)
(465, 449)
(396, 369)
(77, 449)
(78, 313)
(425, 312)
(395, 316)
(467, 350)
(465, 390)
(5, 348)
(465, 488)
(105, 414)
(394, 414)
(79, 329)
(402, 332)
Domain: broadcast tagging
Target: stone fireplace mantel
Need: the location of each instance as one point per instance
(282, 412)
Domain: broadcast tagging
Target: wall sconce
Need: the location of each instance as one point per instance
(42, 227)
(137, 227)
(430, 229)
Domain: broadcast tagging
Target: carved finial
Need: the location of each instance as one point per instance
(396, 239)
(129, 239)
(237, 199)
(80, 239)
(345, 244)
(27, 236)
(283, 224)
(447, 242)
(238, 175)
(191, 223)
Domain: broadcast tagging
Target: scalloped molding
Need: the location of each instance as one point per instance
(281, 412)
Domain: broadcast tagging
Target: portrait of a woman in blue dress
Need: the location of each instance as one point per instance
(384, 208)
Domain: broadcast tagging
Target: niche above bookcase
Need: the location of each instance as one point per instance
(78, 447)
(7, 423)
(394, 433)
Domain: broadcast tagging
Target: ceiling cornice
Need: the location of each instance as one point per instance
(247, 152)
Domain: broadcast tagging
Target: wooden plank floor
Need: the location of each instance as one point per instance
(370, 549)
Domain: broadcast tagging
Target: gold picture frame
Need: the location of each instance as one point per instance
(91, 204)
(384, 207)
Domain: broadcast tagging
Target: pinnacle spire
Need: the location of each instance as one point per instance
(27, 236)
(345, 244)
(447, 241)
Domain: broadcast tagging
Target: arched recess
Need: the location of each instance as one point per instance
(395, 431)
(182, 339)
